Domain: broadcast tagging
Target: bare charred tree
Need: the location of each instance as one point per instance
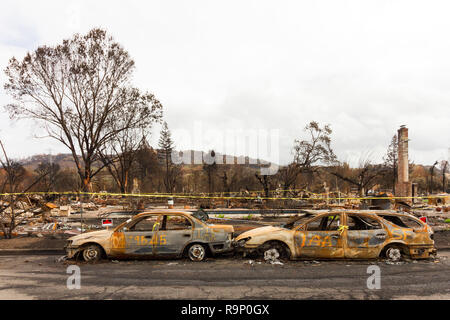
(308, 155)
(50, 172)
(310, 152)
(118, 157)
(431, 182)
(363, 178)
(67, 180)
(175, 175)
(231, 176)
(226, 183)
(119, 154)
(210, 169)
(12, 181)
(147, 168)
(391, 160)
(268, 182)
(237, 178)
(316, 149)
(288, 176)
(77, 90)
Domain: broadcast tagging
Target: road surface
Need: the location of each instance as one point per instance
(42, 277)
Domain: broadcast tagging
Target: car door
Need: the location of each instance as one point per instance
(175, 233)
(365, 236)
(141, 236)
(320, 237)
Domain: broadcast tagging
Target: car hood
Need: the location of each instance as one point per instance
(225, 227)
(93, 234)
(258, 231)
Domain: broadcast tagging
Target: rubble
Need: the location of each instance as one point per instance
(61, 259)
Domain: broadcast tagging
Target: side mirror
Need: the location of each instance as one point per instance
(124, 229)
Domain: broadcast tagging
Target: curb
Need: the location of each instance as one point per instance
(33, 252)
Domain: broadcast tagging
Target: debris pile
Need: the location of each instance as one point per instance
(35, 216)
(60, 214)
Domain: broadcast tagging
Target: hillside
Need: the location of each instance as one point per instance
(65, 160)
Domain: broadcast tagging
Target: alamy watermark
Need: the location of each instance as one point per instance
(262, 146)
(74, 280)
(374, 280)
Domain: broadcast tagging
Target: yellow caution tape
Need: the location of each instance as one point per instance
(230, 192)
(150, 195)
(342, 228)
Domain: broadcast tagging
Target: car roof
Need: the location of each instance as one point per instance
(379, 213)
(369, 212)
(165, 211)
(347, 211)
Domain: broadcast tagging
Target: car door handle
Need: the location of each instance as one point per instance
(148, 237)
(380, 235)
(335, 236)
(186, 235)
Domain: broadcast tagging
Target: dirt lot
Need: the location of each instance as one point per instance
(442, 239)
(32, 243)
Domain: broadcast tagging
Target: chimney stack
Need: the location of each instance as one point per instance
(404, 187)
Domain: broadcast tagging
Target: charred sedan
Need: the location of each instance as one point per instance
(335, 235)
(152, 235)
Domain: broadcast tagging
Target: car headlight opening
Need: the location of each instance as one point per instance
(242, 242)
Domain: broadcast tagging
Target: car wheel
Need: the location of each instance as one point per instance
(394, 253)
(271, 254)
(92, 253)
(197, 252)
(274, 250)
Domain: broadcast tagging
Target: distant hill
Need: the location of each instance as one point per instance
(199, 157)
(65, 160)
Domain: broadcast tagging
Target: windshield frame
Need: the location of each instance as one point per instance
(306, 215)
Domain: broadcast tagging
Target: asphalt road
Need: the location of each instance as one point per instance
(42, 277)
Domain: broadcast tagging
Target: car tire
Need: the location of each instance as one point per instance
(394, 253)
(196, 252)
(92, 253)
(272, 251)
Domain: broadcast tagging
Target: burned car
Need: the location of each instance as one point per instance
(342, 234)
(152, 235)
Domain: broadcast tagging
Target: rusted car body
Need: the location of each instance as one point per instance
(154, 234)
(344, 234)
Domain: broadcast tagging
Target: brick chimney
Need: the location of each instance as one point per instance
(403, 187)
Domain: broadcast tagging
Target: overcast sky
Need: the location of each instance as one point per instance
(364, 67)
